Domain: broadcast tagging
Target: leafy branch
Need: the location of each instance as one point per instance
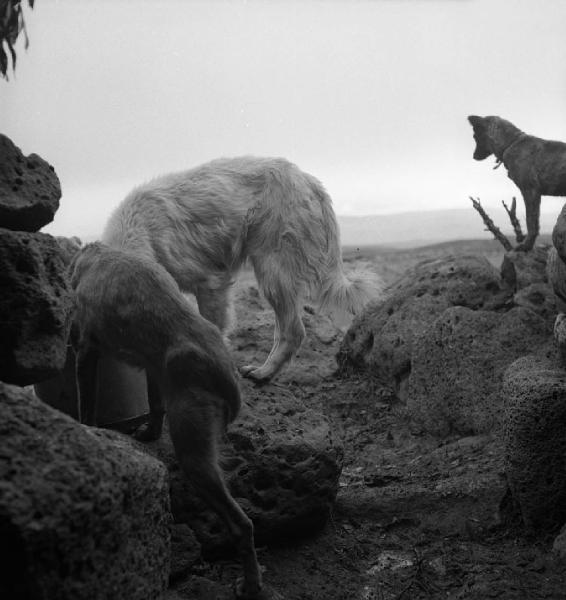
(12, 23)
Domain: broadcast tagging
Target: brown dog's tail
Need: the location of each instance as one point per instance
(189, 366)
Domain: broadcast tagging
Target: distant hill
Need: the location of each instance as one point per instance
(418, 228)
(392, 262)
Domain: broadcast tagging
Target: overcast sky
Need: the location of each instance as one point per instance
(371, 97)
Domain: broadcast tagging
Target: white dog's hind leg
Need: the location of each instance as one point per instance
(289, 333)
(213, 301)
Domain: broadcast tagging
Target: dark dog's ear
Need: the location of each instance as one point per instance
(481, 135)
(476, 122)
(78, 260)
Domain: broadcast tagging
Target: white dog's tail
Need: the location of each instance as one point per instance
(349, 294)
(294, 243)
(338, 291)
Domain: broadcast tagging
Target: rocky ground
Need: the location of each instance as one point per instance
(416, 517)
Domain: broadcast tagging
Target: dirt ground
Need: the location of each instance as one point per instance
(415, 518)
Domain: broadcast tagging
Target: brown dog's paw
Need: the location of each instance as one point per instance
(266, 592)
(146, 433)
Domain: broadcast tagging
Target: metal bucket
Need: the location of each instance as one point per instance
(121, 393)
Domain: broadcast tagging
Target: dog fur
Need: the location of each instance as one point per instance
(536, 166)
(131, 308)
(201, 225)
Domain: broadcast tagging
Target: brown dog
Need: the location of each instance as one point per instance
(202, 225)
(131, 308)
(536, 166)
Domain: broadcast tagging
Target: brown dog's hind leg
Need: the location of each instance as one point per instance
(152, 429)
(86, 374)
(532, 211)
(213, 489)
(195, 422)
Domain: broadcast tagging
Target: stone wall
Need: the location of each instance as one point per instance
(83, 513)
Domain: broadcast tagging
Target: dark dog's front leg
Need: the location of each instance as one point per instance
(532, 210)
(86, 373)
(152, 429)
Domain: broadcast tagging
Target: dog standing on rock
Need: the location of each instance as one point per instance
(536, 166)
(131, 308)
(202, 225)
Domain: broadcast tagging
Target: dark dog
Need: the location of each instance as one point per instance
(131, 308)
(536, 166)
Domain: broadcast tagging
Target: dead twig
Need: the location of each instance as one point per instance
(512, 213)
(491, 226)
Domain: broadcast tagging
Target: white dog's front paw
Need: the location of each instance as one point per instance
(259, 374)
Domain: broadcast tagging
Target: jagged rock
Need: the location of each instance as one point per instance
(521, 269)
(556, 271)
(534, 390)
(458, 363)
(185, 550)
(382, 337)
(281, 463)
(559, 234)
(539, 298)
(560, 335)
(35, 307)
(83, 513)
(201, 588)
(60, 391)
(29, 189)
(559, 545)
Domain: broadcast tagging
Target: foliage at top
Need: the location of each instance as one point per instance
(11, 25)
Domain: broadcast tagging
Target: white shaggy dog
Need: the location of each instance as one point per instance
(204, 223)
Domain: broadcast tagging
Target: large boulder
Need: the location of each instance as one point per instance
(458, 363)
(556, 270)
(534, 389)
(29, 189)
(83, 513)
(521, 269)
(35, 307)
(382, 337)
(281, 463)
(559, 234)
(559, 544)
(540, 298)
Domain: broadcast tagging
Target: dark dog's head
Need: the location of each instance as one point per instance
(69, 247)
(82, 260)
(493, 135)
(483, 145)
(481, 126)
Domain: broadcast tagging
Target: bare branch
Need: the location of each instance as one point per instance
(490, 225)
(512, 213)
